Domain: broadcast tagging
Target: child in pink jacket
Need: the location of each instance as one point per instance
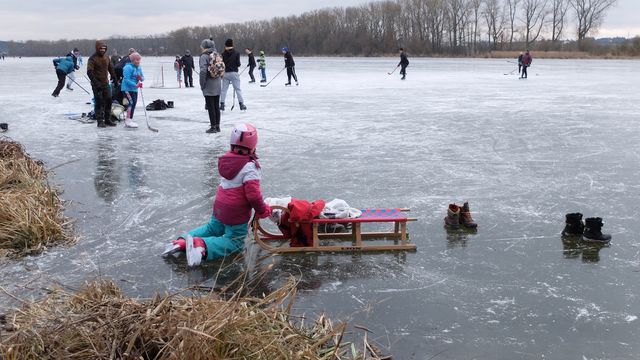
(238, 193)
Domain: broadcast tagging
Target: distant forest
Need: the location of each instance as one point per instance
(422, 27)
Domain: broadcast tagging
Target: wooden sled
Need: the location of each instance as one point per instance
(399, 234)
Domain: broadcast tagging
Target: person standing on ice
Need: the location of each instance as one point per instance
(527, 59)
(74, 54)
(262, 66)
(99, 69)
(404, 62)
(211, 82)
(290, 65)
(187, 65)
(520, 62)
(252, 63)
(64, 67)
(231, 60)
(132, 78)
(238, 193)
(177, 67)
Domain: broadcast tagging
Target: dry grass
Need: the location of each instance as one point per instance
(30, 210)
(98, 322)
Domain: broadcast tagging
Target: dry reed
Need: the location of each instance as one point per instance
(31, 215)
(99, 322)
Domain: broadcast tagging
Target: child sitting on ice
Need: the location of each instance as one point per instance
(238, 193)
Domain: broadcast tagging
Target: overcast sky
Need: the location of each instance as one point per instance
(80, 19)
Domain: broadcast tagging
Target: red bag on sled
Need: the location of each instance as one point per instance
(296, 223)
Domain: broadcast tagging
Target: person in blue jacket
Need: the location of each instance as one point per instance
(132, 78)
(64, 66)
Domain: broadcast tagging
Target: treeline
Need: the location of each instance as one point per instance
(423, 27)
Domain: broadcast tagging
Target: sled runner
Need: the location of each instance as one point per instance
(319, 242)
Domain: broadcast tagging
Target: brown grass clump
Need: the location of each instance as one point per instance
(98, 322)
(30, 210)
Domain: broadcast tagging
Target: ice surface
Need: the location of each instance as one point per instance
(522, 152)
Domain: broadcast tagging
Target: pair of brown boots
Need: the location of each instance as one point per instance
(459, 216)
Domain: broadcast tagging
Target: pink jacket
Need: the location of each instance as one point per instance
(239, 190)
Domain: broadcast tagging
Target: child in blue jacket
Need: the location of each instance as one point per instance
(132, 78)
(64, 67)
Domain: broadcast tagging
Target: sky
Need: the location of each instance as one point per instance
(80, 19)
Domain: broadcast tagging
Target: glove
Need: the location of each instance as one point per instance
(139, 85)
(181, 244)
(139, 78)
(77, 67)
(266, 213)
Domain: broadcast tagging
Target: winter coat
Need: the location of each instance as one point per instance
(187, 62)
(404, 61)
(64, 64)
(208, 85)
(252, 60)
(75, 60)
(520, 59)
(288, 60)
(231, 60)
(262, 62)
(130, 75)
(526, 60)
(99, 67)
(239, 189)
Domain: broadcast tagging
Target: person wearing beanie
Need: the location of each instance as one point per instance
(262, 66)
(252, 63)
(404, 62)
(211, 82)
(99, 69)
(231, 60)
(187, 66)
(132, 81)
(74, 54)
(290, 65)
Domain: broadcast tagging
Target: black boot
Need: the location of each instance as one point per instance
(242, 107)
(101, 123)
(574, 225)
(221, 106)
(593, 230)
(109, 122)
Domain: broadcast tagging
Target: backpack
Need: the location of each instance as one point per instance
(157, 105)
(216, 68)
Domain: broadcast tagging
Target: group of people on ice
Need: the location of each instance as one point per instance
(524, 61)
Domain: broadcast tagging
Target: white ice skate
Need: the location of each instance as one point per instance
(130, 124)
(194, 254)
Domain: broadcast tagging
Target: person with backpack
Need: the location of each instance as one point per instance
(74, 54)
(99, 69)
(238, 195)
(64, 66)
(527, 59)
(187, 65)
(290, 65)
(211, 72)
(132, 79)
(404, 62)
(231, 60)
(262, 66)
(252, 63)
(177, 67)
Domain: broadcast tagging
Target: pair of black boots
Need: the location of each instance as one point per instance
(590, 229)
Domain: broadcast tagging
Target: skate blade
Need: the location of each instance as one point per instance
(171, 249)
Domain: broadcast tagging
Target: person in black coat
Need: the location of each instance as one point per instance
(290, 65)
(187, 66)
(252, 63)
(404, 62)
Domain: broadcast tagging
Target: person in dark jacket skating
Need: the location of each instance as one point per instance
(231, 60)
(252, 63)
(99, 69)
(64, 67)
(290, 65)
(187, 66)
(404, 62)
(526, 62)
(520, 57)
(72, 76)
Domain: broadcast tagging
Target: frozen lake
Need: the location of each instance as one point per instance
(522, 152)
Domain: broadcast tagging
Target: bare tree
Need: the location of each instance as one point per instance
(475, 6)
(559, 15)
(590, 14)
(494, 15)
(535, 13)
(513, 10)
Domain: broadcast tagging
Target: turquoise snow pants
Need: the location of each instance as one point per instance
(221, 239)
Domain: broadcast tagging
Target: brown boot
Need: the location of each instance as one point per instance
(452, 220)
(465, 217)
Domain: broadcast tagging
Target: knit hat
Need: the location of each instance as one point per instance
(285, 49)
(76, 50)
(208, 44)
(135, 56)
(228, 43)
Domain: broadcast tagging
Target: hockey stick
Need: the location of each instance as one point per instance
(511, 73)
(233, 103)
(144, 107)
(394, 70)
(273, 78)
(245, 68)
(75, 82)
